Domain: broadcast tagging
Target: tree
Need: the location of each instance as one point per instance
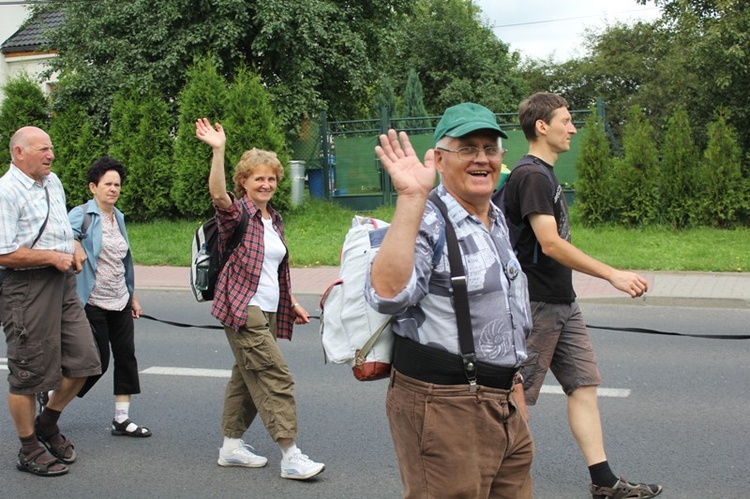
(311, 55)
(457, 57)
(251, 121)
(637, 175)
(204, 95)
(596, 197)
(24, 105)
(413, 106)
(384, 98)
(141, 141)
(76, 147)
(722, 188)
(680, 158)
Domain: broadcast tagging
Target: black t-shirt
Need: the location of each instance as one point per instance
(530, 191)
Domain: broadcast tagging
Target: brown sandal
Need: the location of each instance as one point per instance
(58, 446)
(32, 463)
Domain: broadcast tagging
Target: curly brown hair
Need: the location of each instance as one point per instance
(252, 160)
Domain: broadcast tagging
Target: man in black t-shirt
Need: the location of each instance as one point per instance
(559, 339)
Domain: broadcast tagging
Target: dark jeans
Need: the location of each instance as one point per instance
(115, 328)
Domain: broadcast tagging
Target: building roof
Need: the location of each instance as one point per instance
(31, 37)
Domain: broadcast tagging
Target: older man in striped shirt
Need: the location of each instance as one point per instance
(49, 340)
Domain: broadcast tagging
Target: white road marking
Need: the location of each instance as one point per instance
(187, 371)
(226, 373)
(602, 392)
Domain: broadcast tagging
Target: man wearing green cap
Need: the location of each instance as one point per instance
(454, 436)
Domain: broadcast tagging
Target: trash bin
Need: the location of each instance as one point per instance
(298, 181)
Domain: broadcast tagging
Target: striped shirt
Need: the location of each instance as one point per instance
(498, 293)
(23, 208)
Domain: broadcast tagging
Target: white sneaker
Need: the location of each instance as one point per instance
(241, 456)
(300, 467)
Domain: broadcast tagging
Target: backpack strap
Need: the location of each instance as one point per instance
(86, 219)
(529, 160)
(237, 235)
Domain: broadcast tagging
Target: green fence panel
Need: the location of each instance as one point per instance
(357, 173)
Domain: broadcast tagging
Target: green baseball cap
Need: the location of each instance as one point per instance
(465, 118)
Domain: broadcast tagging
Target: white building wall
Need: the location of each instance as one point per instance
(11, 18)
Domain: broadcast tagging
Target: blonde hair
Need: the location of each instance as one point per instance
(249, 162)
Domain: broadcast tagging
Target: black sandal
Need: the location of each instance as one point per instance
(122, 429)
(30, 464)
(60, 449)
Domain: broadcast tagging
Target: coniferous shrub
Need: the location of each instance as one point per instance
(140, 139)
(680, 158)
(251, 121)
(596, 200)
(204, 95)
(384, 98)
(637, 175)
(721, 186)
(413, 103)
(76, 147)
(24, 105)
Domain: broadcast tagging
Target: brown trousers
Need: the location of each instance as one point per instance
(453, 443)
(261, 382)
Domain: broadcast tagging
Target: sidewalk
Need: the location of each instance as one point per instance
(683, 289)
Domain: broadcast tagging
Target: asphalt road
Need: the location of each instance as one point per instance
(676, 413)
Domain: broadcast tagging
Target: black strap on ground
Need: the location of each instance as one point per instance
(670, 333)
(180, 324)
(590, 326)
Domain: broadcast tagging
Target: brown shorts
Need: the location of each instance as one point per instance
(558, 341)
(46, 331)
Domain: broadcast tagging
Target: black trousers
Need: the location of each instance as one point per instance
(115, 328)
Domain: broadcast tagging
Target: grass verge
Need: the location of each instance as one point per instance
(315, 232)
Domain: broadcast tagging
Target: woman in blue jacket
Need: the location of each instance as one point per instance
(106, 287)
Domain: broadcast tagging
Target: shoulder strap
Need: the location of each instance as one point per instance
(238, 234)
(461, 295)
(46, 218)
(531, 160)
(86, 219)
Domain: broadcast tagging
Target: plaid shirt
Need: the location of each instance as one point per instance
(239, 279)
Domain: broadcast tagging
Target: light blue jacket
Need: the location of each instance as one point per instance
(92, 245)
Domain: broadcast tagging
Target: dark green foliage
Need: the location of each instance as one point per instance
(637, 176)
(457, 56)
(311, 55)
(204, 95)
(24, 105)
(141, 141)
(721, 186)
(384, 98)
(413, 105)
(596, 198)
(76, 147)
(251, 121)
(680, 158)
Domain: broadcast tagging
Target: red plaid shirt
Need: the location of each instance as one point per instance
(238, 280)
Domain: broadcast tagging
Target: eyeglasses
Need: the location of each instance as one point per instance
(470, 153)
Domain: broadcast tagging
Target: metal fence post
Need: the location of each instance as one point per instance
(324, 166)
(385, 124)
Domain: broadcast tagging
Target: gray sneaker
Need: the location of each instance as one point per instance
(626, 490)
(241, 456)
